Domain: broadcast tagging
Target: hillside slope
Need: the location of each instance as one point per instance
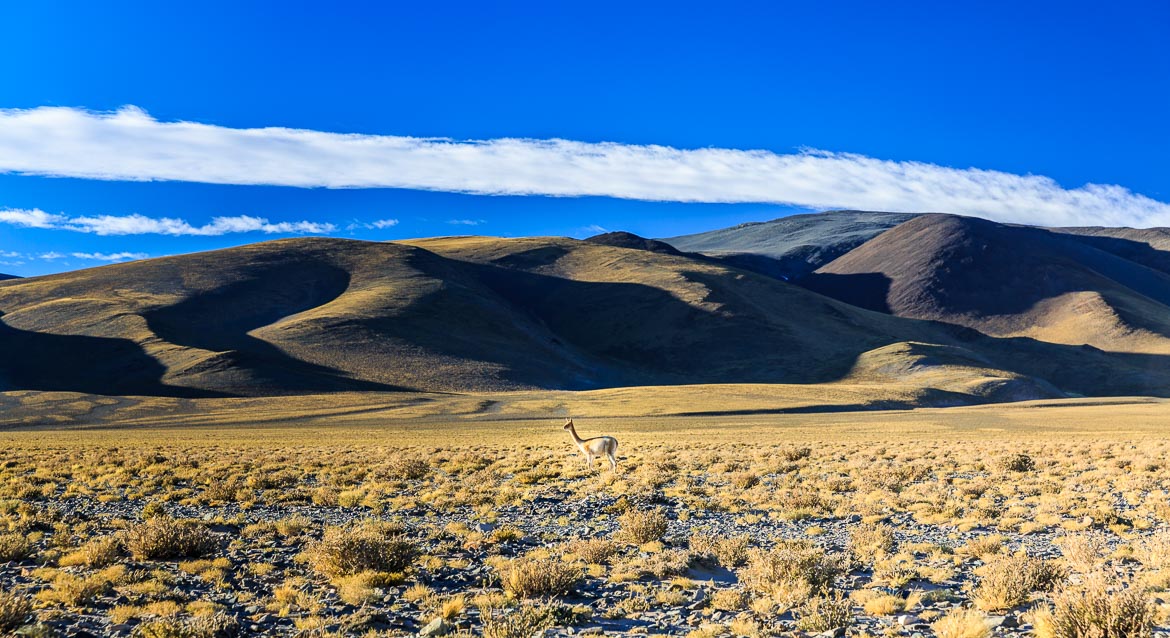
(314, 315)
(1010, 281)
(476, 314)
(790, 247)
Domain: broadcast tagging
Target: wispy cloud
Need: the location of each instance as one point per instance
(110, 256)
(465, 222)
(143, 225)
(130, 145)
(595, 228)
(54, 256)
(382, 224)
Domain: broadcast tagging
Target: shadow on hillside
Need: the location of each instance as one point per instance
(76, 363)
(635, 334)
(220, 320)
(869, 290)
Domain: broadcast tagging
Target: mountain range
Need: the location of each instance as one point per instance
(964, 310)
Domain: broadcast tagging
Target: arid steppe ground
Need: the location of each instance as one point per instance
(745, 511)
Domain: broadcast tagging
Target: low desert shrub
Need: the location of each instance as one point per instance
(352, 549)
(727, 552)
(1017, 463)
(824, 612)
(1010, 581)
(1096, 610)
(592, 550)
(962, 623)
(14, 547)
(531, 577)
(163, 537)
(642, 526)
(522, 622)
(407, 469)
(867, 542)
(99, 552)
(15, 609)
(218, 625)
(791, 571)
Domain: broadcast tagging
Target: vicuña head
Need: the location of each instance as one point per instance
(594, 447)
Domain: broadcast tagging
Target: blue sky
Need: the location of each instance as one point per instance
(709, 112)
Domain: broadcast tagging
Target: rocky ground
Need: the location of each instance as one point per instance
(804, 543)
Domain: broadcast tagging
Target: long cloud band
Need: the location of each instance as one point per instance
(131, 145)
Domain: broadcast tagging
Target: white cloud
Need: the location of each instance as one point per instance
(382, 223)
(130, 145)
(50, 256)
(595, 229)
(30, 218)
(111, 256)
(466, 222)
(143, 225)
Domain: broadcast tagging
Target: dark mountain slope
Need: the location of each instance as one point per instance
(1009, 281)
(790, 247)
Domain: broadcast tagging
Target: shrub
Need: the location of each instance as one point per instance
(345, 551)
(14, 610)
(1017, 463)
(592, 550)
(793, 455)
(1009, 582)
(962, 623)
(163, 537)
(523, 622)
(642, 526)
(1092, 611)
(407, 469)
(791, 571)
(14, 547)
(528, 577)
(217, 625)
(824, 612)
(99, 552)
(869, 541)
(728, 552)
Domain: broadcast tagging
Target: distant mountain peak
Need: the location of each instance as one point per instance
(623, 239)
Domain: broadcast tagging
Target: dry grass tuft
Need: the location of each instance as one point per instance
(1096, 609)
(962, 623)
(523, 622)
(642, 526)
(15, 609)
(824, 612)
(532, 577)
(592, 550)
(217, 625)
(790, 572)
(353, 549)
(1010, 581)
(163, 537)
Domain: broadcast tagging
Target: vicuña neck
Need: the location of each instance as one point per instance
(573, 432)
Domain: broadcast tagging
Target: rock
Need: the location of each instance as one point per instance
(437, 627)
(698, 600)
(994, 621)
(907, 620)
(839, 632)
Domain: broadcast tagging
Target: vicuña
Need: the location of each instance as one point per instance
(594, 447)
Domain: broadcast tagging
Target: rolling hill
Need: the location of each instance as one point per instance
(1066, 286)
(790, 247)
(3, 276)
(480, 314)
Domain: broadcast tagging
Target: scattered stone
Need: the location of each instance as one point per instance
(437, 627)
